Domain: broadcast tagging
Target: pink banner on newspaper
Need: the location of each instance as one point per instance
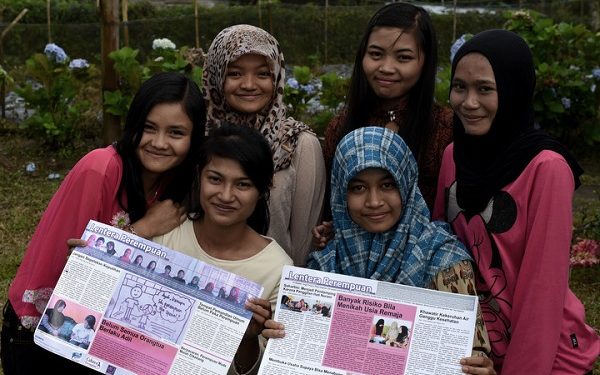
(375, 329)
(137, 353)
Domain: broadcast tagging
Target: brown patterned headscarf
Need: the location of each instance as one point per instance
(280, 131)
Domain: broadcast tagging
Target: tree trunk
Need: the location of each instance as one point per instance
(111, 129)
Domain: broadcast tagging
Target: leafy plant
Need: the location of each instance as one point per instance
(52, 93)
(299, 91)
(566, 57)
(164, 58)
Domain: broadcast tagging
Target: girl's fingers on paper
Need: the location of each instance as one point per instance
(76, 242)
(261, 309)
(274, 325)
(273, 333)
(477, 365)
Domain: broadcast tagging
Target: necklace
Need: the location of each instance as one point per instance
(392, 123)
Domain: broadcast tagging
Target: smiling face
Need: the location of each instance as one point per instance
(473, 95)
(166, 139)
(374, 202)
(392, 63)
(227, 195)
(248, 86)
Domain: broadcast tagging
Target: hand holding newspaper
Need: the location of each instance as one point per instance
(337, 324)
(126, 305)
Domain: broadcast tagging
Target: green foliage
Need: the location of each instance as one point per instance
(52, 93)
(299, 91)
(314, 99)
(442, 85)
(566, 57)
(133, 73)
(333, 90)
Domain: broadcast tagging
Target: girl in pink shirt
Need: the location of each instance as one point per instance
(507, 189)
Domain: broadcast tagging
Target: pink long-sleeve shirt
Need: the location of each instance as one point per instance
(520, 245)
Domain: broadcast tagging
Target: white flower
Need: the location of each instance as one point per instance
(596, 72)
(566, 102)
(163, 43)
(79, 64)
(55, 53)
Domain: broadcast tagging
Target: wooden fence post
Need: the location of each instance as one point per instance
(2, 35)
(111, 129)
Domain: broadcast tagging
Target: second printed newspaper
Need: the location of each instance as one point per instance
(338, 324)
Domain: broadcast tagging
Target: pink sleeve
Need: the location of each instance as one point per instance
(542, 281)
(88, 192)
(439, 207)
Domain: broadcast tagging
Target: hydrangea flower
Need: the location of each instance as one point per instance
(566, 102)
(585, 253)
(593, 87)
(293, 83)
(163, 43)
(309, 89)
(55, 53)
(457, 44)
(79, 64)
(596, 73)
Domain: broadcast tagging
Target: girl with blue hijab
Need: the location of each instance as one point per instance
(383, 231)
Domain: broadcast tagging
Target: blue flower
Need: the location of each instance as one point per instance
(293, 83)
(55, 53)
(457, 44)
(309, 89)
(79, 64)
(566, 102)
(596, 73)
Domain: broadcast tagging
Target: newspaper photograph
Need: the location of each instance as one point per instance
(126, 305)
(337, 324)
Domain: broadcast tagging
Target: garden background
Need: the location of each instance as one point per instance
(53, 109)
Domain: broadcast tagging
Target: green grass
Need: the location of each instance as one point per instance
(23, 198)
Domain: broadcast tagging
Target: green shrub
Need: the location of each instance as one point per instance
(52, 92)
(567, 58)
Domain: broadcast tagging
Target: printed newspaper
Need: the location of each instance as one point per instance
(126, 305)
(336, 324)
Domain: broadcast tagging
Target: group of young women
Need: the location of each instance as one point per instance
(246, 197)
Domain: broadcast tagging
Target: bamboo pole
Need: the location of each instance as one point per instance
(454, 22)
(197, 23)
(48, 21)
(2, 35)
(270, 17)
(325, 59)
(111, 129)
(125, 12)
(259, 15)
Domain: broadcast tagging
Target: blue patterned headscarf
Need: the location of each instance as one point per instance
(412, 252)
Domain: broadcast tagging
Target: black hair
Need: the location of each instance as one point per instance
(167, 87)
(379, 327)
(362, 100)
(111, 244)
(91, 321)
(249, 148)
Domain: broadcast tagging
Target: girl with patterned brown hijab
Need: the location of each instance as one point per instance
(244, 78)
